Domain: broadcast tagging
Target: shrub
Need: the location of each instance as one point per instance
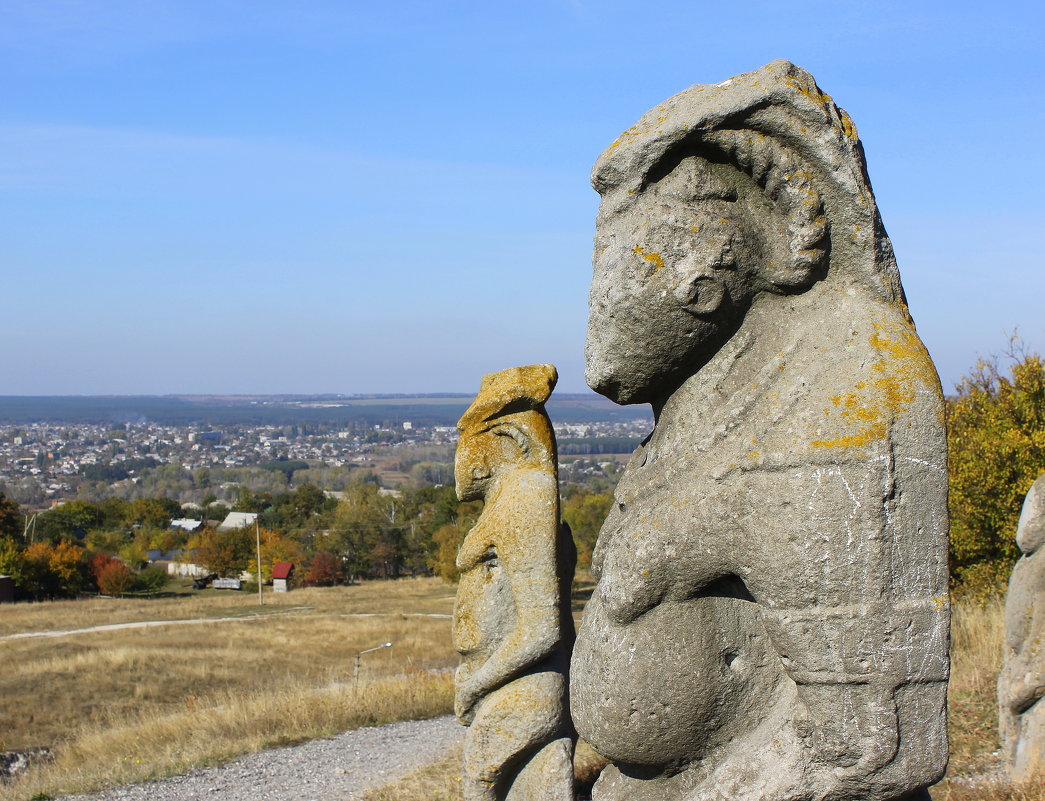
(115, 578)
(150, 580)
(97, 564)
(996, 444)
(323, 571)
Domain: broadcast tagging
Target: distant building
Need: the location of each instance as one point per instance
(186, 524)
(238, 520)
(177, 562)
(282, 572)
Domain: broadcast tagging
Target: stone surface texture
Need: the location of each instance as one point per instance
(1021, 684)
(512, 622)
(771, 613)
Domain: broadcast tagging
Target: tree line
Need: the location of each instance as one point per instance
(996, 443)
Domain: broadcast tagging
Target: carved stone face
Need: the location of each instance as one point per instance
(676, 267)
(519, 440)
(478, 453)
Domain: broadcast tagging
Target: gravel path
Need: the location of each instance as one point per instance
(145, 624)
(340, 768)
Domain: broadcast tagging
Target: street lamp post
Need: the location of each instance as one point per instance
(355, 674)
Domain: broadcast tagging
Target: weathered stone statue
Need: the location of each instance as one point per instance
(1021, 684)
(512, 621)
(771, 614)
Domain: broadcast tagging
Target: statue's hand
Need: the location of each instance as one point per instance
(465, 702)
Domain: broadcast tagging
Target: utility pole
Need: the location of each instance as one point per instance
(257, 532)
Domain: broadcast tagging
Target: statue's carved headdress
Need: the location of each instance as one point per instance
(503, 402)
(776, 126)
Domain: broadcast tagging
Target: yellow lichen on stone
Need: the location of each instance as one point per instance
(653, 258)
(848, 126)
(901, 365)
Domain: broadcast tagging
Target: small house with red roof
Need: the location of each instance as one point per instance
(282, 572)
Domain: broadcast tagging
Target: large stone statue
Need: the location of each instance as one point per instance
(1021, 684)
(512, 621)
(770, 619)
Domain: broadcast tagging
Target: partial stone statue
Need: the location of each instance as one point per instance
(512, 621)
(771, 613)
(1021, 684)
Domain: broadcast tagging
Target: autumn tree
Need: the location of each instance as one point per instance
(68, 566)
(324, 570)
(448, 539)
(226, 553)
(51, 570)
(585, 512)
(114, 578)
(275, 547)
(996, 444)
(97, 564)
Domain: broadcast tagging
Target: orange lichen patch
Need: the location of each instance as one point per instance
(653, 258)
(902, 364)
(858, 440)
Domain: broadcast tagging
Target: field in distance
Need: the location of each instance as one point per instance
(217, 410)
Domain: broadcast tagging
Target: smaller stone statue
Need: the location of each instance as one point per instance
(512, 623)
(1021, 684)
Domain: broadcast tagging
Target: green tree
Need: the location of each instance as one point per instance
(107, 540)
(154, 512)
(361, 521)
(10, 519)
(226, 553)
(996, 444)
(585, 512)
(12, 562)
(72, 519)
(297, 509)
(115, 513)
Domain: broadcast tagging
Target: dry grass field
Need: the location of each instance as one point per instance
(126, 705)
(130, 704)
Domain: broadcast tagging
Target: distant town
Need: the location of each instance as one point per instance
(229, 447)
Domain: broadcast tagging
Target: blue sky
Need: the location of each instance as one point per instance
(255, 197)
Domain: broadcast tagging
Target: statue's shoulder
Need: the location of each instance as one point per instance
(855, 379)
